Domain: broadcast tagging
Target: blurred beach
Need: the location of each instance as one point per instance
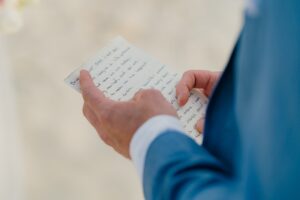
(57, 153)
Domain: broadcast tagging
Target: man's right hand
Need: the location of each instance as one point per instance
(200, 79)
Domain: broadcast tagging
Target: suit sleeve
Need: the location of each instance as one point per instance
(178, 168)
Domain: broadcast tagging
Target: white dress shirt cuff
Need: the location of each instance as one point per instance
(146, 134)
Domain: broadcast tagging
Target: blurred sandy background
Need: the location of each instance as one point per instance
(48, 150)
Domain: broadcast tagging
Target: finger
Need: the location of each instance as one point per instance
(182, 92)
(187, 83)
(195, 79)
(138, 95)
(90, 93)
(146, 93)
(200, 125)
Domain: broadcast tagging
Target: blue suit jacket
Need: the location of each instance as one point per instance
(251, 144)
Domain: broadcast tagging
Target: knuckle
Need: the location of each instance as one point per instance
(147, 93)
(156, 92)
(138, 93)
(190, 73)
(187, 73)
(143, 93)
(151, 92)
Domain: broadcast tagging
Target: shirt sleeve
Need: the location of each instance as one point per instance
(146, 134)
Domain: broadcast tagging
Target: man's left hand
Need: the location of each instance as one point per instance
(116, 122)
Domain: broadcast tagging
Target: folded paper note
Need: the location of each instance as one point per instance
(121, 69)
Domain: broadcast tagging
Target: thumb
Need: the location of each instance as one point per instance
(90, 93)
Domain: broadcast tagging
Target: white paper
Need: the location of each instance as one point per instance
(121, 69)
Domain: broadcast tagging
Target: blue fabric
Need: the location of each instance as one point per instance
(251, 146)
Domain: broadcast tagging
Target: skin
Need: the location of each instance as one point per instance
(116, 122)
(196, 79)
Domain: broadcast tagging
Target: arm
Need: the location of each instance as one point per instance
(177, 168)
(173, 164)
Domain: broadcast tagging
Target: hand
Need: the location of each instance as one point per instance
(116, 122)
(200, 79)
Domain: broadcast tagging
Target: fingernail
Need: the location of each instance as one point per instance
(199, 126)
(180, 99)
